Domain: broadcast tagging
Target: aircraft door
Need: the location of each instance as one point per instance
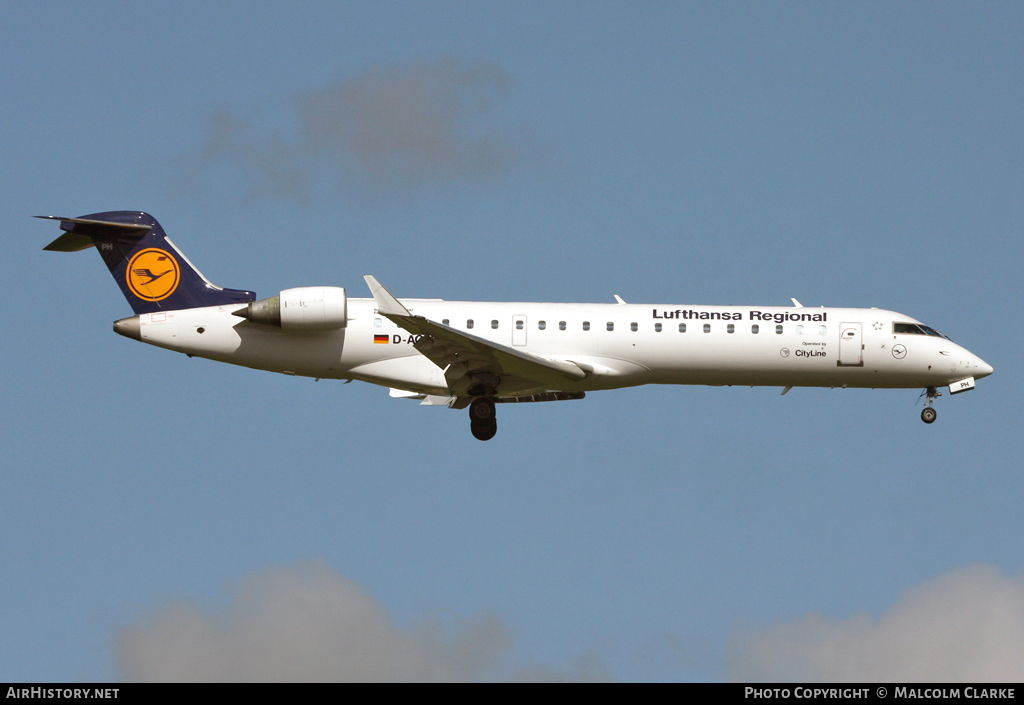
(519, 330)
(851, 345)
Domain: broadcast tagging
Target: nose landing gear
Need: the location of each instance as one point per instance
(928, 415)
(483, 420)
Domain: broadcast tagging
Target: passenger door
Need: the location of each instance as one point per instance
(851, 345)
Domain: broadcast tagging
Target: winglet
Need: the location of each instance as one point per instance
(386, 303)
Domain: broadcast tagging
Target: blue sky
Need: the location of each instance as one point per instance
(155, 508)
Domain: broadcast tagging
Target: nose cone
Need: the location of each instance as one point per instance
(983, 369)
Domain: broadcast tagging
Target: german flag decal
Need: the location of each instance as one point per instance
(380, 339)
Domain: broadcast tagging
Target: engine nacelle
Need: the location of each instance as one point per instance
(306, 308)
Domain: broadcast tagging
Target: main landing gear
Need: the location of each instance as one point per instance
(929, 414)
(483, 421)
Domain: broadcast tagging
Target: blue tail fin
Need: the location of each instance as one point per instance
(153, 274)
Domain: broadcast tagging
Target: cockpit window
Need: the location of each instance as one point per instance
(915, 329)
(932, 331)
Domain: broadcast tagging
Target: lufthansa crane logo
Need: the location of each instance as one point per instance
(153, 274)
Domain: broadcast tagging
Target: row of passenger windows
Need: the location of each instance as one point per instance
(731, 328)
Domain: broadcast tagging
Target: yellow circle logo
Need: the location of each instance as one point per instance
(153, 274)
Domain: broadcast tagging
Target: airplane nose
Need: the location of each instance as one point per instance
(984, 369)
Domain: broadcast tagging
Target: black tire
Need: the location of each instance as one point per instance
(483, 432)
(929, 415)
(481, 411)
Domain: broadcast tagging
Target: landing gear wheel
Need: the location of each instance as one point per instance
(483, 422)
(482, 411)
(484, 432)
(929, 414)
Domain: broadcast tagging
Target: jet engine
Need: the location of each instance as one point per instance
(308, 308)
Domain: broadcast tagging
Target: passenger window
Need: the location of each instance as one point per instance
(444, 322)
(519, 325)
(730, 328)
(469, 323)
(610, 325)
(377, 323)
(778, 329)
(707, 327)
(682, 327)
(799, 330)
(494, 324)
(561, 325)
(541, 325)
(657, 327)
(586, 325)
(634, 327)
(822, 330)
(755, 329)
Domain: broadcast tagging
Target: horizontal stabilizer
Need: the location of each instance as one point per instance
(70, 242)
(83, 233)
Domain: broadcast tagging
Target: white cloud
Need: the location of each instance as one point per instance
(967, 625)
(307, 623)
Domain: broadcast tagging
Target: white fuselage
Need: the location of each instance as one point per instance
(620, 345)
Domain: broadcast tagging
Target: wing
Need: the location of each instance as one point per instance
(473, 365)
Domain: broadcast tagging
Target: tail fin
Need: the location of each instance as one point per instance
(153, 274)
